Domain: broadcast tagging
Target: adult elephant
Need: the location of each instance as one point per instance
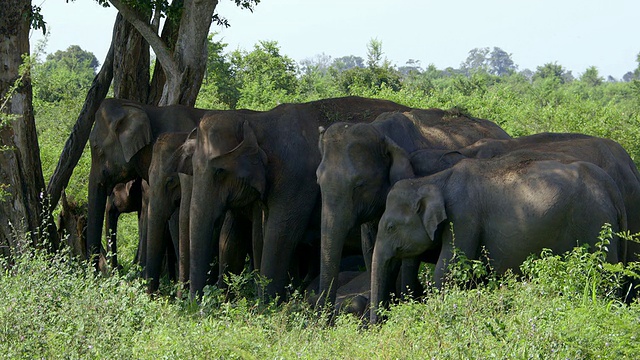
(360, 163)
(121, 142)
(513, 206)
(169, 192)
(605, 153)
(268, 158)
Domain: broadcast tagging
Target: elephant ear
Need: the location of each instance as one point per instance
(431, 209)
(247, 160)
(400, 165)
(181, 158)
(133, 131)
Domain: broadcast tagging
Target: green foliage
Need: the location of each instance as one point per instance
(65, 75)
(264, 76)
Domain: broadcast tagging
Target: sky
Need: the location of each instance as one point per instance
(576, 34)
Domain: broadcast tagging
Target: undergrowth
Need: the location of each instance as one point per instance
(562, 306)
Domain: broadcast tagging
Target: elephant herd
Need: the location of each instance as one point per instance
(299, 188)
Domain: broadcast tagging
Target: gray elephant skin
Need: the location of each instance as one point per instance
(605, 153)
(360, 163)
(121, 142)
(267, 158)
(513, 206)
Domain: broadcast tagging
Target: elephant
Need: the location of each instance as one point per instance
(170, 192)
(512, 206)
(360, 163)
(125, 198)
(605, 153)
(269, 159)
(121, 143)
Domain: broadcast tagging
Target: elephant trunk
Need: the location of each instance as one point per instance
(97, 203)
(204, 236)
(381, 278)
(334, 230)
(158, 214)
(183, 242)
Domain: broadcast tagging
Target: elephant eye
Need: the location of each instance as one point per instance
(390, 226)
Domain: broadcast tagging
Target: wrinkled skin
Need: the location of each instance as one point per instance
(121, 142)
(167, 196)
(541, 204)
(605, 153)
(268, 158)
(361, 162)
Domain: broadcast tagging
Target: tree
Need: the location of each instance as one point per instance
(476, 61)
(264, 76)
(591, 77)
(21, 180)
(500, 62)
(551, 71)
(219, 85)
(74, 56)
(181, 50)
(347, 62)
(64, 75)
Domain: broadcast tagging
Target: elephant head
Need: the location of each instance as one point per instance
(229, 171)
(407, 228)
(359, 165)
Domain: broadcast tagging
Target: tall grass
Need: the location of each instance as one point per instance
(564, 306)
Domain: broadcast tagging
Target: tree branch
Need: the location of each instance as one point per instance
(159, 47)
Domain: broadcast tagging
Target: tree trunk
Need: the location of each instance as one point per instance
(184, 68)
(130, 63)
(21, 177)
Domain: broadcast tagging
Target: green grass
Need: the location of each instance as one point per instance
(54, 307)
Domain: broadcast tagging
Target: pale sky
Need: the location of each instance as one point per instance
(576, 34)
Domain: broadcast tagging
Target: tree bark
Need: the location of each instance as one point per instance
(130, 63)
(21, 207)
(184, 68)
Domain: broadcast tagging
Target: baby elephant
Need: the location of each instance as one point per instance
(513, 206)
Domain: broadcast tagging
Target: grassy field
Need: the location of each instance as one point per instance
(565, 306)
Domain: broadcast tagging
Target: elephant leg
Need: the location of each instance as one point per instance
(284, 229)
(112, 231)
(257, 234)
(409, 284)
(235, 240)
(186, 184)
(171, 240)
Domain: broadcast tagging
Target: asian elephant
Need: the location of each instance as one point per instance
(270, 159)
(512, 206)
(360, 163)
(125, 198)
(605, 153)
(121, 142)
